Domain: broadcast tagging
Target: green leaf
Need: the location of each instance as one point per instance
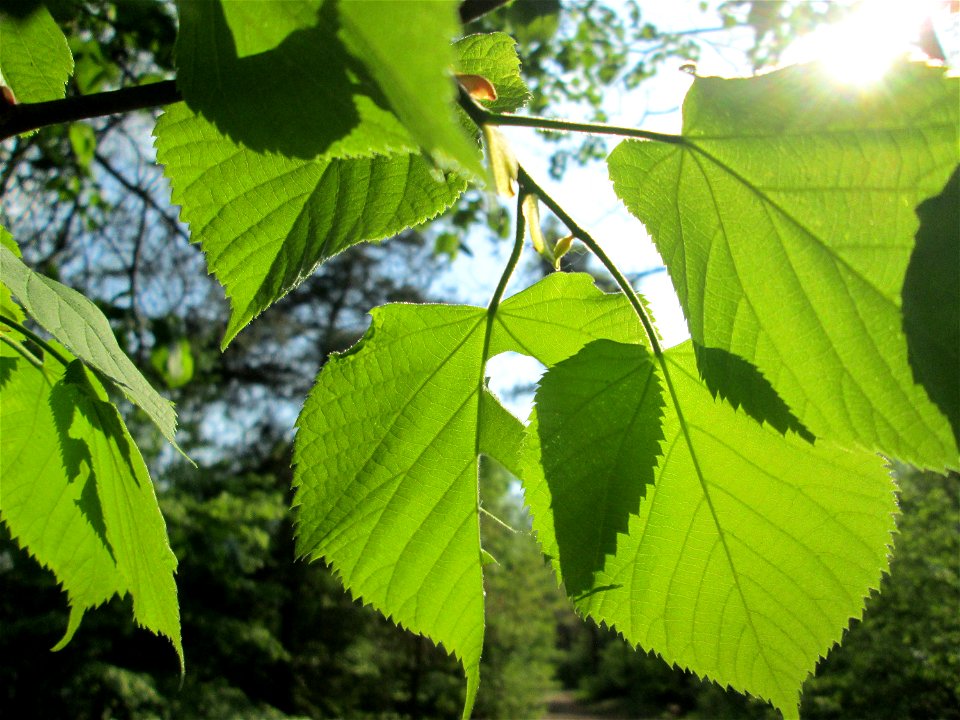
(931, 301)
(386, 473)
(494, 56)
(35, 61)
(81, 327)
(789, 249)
(597, 426)
(8, 307)
(750, 552)
(265, 221)
(553, 319)
(406, 48)
(275, 76)
(387, 445)
(77, 495)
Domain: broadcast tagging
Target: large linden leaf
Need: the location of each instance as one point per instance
(35, 61)
(749, 553)
(77, 495)
(786, 216)
(266, 221)
(386, 473)
(406, 48)
(77, 323)
(275, 76)
(387, 445)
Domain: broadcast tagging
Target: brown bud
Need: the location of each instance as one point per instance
(478, 86)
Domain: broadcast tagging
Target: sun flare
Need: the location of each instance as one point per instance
(860, 49)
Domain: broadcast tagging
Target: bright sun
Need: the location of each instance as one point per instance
(859, 49)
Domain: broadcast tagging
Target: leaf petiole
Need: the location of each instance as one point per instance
(21, 350)
(482, 116)
(14, 325)
(529, 185)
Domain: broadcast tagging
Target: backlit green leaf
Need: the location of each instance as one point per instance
(386, 473)
(275, 76)
(387, 446)
(789, 250)
(750, 552)
(266, 221)
(81, 327)
(406, 48)
(77, 495)
(35, 61)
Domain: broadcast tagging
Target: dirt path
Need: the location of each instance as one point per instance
(563, 705)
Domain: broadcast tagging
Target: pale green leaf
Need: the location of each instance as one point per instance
(787, 217)
(275, 76)
(749, 554)
(494, 56)
(406, 47)
(8, 307)
(265, 221)
(35, 61)
(597, 427)
(77, 495)
(76, 322)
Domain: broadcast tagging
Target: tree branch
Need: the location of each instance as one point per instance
(473, 9)
(15, 119)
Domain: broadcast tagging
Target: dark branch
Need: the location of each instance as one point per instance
(472, 9)
(15, 119)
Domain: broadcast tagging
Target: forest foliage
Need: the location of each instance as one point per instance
(726, 503)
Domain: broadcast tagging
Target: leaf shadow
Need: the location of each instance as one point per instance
(740, 383)
(931, 301)
(7, 366)
(67, 399)
(296, 99)
(599, 422)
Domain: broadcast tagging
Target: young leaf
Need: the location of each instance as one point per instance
(35, 61)
(77, 323)
(387, 445)
(790, 251)
(406, 48)
(750, 552)
(77, 495)
(265, 221)
(275, 76)
(494, 57)
(597, 425)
